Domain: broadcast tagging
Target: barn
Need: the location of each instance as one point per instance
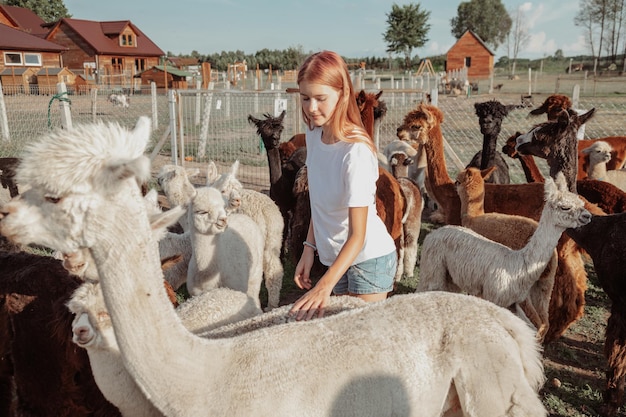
(471, 52)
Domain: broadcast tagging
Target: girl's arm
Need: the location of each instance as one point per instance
(318, 297)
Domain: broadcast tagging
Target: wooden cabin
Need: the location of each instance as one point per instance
(48, 78)
(471, 52)
(18, 80)
(165, 77)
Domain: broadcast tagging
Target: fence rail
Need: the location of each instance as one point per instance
(192, 127)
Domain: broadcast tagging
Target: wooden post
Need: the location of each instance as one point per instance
(155, 112)
(4, 120)
(66, 115)
(94, 97)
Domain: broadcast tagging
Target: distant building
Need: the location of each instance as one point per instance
(471, 52)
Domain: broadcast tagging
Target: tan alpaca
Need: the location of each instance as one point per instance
(512, 231)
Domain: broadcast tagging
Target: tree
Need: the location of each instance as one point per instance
(407, 28)
(585, 19)
(518, 37)
(487, 18)
(48, 10)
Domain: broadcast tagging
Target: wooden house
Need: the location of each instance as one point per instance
(113, 51)
(165, 77)
(48, 78)
(471, 52)
(18, 80)
(21, 41)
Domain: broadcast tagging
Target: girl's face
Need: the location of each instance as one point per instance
(318, 102)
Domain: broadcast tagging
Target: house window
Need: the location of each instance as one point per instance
(468, 61)
(127, 39)
(12, 58)
(32, 60)
(116, 64)
(140, 65)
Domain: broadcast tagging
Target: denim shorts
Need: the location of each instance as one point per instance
(369, 277)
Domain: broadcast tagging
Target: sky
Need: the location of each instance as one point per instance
(352, 28)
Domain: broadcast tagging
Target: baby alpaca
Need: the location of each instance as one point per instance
(227, 250)
(456, 259)
(599, 155)
(512, 231)
(174, 181)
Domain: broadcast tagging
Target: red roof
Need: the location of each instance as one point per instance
(25, 19)
(95, 34)
(12, 39)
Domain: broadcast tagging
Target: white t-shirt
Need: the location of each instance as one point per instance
(340, 176)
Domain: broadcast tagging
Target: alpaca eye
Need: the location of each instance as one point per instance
(52, 200)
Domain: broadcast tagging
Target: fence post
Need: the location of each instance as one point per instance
(66, 115)
(155, 113)
(198, 103)
(171, 101)
(94, 107)
(4, 120)
(204, 129)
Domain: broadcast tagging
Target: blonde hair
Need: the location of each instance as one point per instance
(328, 68)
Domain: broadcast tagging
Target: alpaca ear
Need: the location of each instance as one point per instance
(486, 173)
(159, 222)
(560, 181)
(234, 168)
(583, 118)
(380, 93)
(192, 172)
(139, 168)
(141, 132)
(211, 173)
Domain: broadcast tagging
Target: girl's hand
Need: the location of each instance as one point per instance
(312, 303)
(303, 269)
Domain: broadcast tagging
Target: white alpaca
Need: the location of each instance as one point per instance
(227, 250)
(175, 183)
(455, 258)
(92, 330)
(418, 355)
(264, 211)
(599, 154)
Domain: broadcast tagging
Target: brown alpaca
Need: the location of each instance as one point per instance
(552, 106)
(422, 127)
(286, 149)
(512, 231)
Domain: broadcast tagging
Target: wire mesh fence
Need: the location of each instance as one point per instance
(193, 127)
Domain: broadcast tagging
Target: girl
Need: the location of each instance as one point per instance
(342, 167)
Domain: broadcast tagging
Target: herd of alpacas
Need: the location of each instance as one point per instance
(100, 327)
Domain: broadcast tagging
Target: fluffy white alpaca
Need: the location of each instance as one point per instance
(264, 211)
(455, 258)
(227, 250)
(418, 355)
(599, 154)
(92, 330)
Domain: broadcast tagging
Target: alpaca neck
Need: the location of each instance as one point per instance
(148, 331)
(542, 243)
(204, 271)
(471, 206)
(488, 155)
(530, 168)
(367, 116)
(273, 160)
(437, 168)
(597, 171)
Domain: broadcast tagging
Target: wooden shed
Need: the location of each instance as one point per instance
(48, 78)
(18, 79)
(165, 77)
(471, 52)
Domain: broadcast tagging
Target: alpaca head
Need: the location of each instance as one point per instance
(367, 101)
(555, 136)
(470, 183)
(490, 116)
(228, 184)
(207, 211)
(269, 129)
(174, 181)
(78, 178)
(91, 327)
(567, 208)
(552, 106)
(400, 163)
(599, 152)
(510, 144)
(418, 123)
